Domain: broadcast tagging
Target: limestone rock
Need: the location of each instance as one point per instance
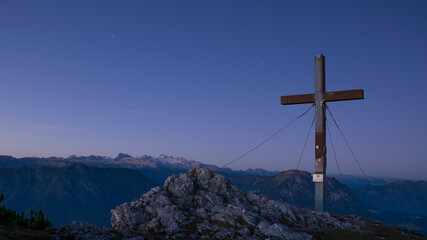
(203, 204)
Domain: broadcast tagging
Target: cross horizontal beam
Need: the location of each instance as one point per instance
(343, 95)
(297, 99)
(327, 97)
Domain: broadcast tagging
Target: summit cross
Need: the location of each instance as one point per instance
(319, 97)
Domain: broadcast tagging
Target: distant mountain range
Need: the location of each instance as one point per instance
(76, 192)
(296, 187)
(357, 182)
(95, 184)
(156, 168)
(405, 196)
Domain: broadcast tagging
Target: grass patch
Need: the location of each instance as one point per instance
(374, 233)
(407, 231)
(343, 234)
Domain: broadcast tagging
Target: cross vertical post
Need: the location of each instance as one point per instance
(319, 98)
(320, 135)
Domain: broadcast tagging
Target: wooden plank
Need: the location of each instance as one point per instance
(297, 99)
(343, 95)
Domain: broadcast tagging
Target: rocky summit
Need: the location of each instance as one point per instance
(202, 204)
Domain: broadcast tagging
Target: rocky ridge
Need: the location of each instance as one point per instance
(202, 204)
(297, 188)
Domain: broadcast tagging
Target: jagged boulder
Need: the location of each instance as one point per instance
(203, 204)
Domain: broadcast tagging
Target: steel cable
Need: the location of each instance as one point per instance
(339, 169)
(348, 145)
(267, 139)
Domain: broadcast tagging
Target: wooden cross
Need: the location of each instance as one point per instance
(319, 97)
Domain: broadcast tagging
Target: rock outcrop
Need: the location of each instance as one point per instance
(84, 231)
(202, 204)
(378, 202)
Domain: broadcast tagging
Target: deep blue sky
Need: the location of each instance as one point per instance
(203, 80)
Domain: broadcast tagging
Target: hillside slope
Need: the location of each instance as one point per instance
(76, 192)
(408, 196)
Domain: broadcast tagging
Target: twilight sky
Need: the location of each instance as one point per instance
(203, 80)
